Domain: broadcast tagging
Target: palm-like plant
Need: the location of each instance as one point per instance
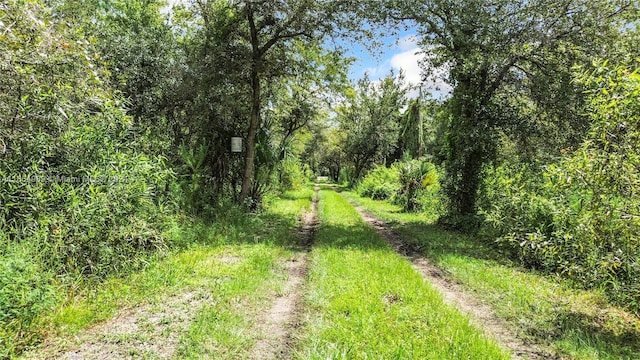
(414, 176)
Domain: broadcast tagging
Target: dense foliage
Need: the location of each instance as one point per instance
(381, 183)
(78, 196)
(116, 119)
(509, 64)
(581, 218)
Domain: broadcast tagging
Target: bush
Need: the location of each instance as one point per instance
(75, 188)
(25, 292)
(521, 212)
(292, 176)
(72, 180)
(309, 176)
(581, 217)
(419, 186)
(380, 184)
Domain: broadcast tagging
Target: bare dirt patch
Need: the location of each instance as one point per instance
(228, 259)
(480, 314)
(150, 331)
(277, 325)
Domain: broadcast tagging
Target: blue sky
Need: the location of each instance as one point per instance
(397, 52)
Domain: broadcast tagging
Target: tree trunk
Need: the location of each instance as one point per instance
(254, 122)
(467, 195)
(468, 150)
(358, 168)
(251, 136)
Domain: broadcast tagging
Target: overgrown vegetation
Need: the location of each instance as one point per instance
(381, 183)
(581, 218)
(116, 119)
(78, 196)
(236, 258)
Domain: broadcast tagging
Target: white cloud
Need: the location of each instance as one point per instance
(409, 62)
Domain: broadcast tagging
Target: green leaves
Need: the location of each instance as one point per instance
(372, 121)
(381, 183)
(582, 218)
(509, 64)
(78, 195)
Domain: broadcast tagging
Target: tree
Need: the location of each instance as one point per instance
(372, 121)
(497, 52)
(253, 48)
(270, 27)
(299, 102)
(332, 154)
(418, 130)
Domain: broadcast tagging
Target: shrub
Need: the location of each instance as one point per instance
(309, 176)
(419, 186)
(73, 182)
(381, 183)
(292, 176)
(603, 181)
(521, 212)
(581, 217)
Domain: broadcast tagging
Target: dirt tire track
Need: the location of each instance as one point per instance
(480, 314)
(278, 325)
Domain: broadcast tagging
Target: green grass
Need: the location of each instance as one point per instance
(362, 300)
(366, 302)
(235, 263)
(577, 324)
(223, 327)
(226, 329)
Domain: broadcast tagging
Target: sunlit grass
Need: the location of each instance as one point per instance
(577, 324)
(366, 302)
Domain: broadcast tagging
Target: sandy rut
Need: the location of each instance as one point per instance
(480, 314)
(278, 324)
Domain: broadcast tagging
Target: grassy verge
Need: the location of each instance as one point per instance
(236, 264)
(225, 329)
(365, 302)
(577, 324)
